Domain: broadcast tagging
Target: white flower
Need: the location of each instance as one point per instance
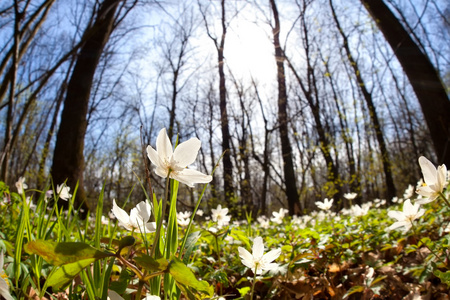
(358, 211)
(278, 217)
(200, 213)
(21, 185)
(404, 218)
(409, 192)
(63, 191)
(166, 160)
(257, 261)
(138, 218)
(263, 222)
(4, 285)
(151, 297)
(325, 205)
(350, 196)
(220, 215)
(435, 180)
(183, 218)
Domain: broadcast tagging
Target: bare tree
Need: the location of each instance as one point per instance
(286, 148)
(219, 44)
(387, 166)
(422, 75)
(68, 158)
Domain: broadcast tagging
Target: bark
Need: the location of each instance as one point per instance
(422, 75)
(226, 137)
(286, 149)
(68, 158)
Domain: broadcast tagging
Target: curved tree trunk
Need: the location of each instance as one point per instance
(68, 158)
(422, 75)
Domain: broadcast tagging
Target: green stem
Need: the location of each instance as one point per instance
(254, 281)
(131, 266)
(445, 199)
(161, 219)
(139, 290)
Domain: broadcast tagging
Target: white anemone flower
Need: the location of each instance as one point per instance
(174, 163)
(407, 216)
(325, 205)
(278, 217)
(257, 261)
(138, 219)
(220, 215)
(21, 185)
(434, 180)
(63, 192)
(350, 196)
(4, 285)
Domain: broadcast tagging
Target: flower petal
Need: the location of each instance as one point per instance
(120, 214)
(144, 210)
(246, 257)
(271, 255)
(189, 177)
(164, 146)
(428, 170)
(186, 152)
(441, 177)
(153, 156)
(258, 248)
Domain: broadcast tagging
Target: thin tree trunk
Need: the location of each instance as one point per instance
(387, 167)
(286, 149)
(422, 75)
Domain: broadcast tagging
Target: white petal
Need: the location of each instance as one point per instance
(246, 257)
(153, 156)
(150, 227)
(428, 170)
(441, 177)
(270, 266)
(144, 210)
(186, 152)
(398, 224)
(271, 255)
(189, 177)
(408, 208)
(120, 214)
(398, 215)
(163, 145)
(258, 248)
(4, 290)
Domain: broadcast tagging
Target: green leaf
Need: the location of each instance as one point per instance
(151, 264)
(126, 241)
(121, 285)
(244, 291)
(65, 274)
(354, 289)
(443, 276)
(59, 254)
(186, 281)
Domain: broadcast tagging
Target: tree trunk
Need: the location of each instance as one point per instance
(422, 75)
(68, 158)
(226, 137)
(286, 149)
